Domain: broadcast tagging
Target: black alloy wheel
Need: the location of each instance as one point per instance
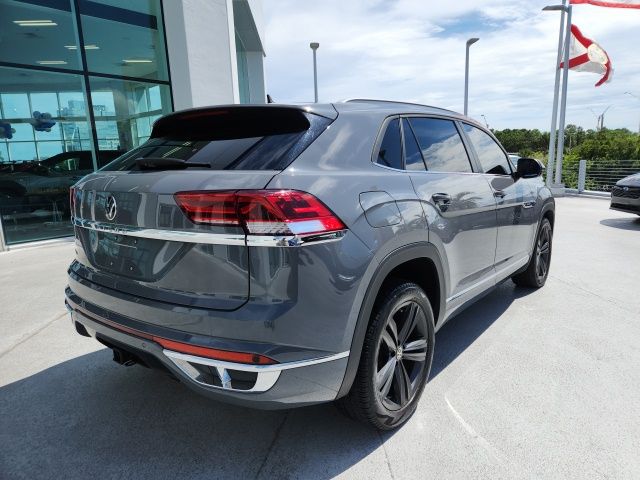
(396, 358)
(402, 355)
(536, 273)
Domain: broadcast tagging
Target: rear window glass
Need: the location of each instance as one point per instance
(390, 153)
(244, 140)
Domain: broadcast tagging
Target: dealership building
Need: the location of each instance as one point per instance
(82, 81)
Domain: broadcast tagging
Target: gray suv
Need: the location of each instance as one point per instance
(278, 256)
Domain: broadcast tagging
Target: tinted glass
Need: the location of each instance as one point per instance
(273, 151)
(44, 149)
(412, 156)
(441, 145)
(492, 159)
(390, 153)
(124, 38)
(38, 33)
(124, 111)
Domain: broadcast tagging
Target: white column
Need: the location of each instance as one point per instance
(202, 53)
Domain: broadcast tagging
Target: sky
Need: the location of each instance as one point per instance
(414, 50)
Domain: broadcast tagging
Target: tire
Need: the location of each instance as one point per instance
(396, 358)
(537, 270)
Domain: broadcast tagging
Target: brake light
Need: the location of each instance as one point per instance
(72, 200)
(217, 208)
(261, 212)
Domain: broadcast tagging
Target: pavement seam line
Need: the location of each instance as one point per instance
(579, 287)
(31, 334)
(386, 455)
(272, 444)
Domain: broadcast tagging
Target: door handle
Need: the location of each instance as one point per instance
(442, 200)
(499, 194)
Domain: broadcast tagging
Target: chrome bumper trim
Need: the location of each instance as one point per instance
(267, 375)
(186, 236)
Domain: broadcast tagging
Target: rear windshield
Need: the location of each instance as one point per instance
(251, 138)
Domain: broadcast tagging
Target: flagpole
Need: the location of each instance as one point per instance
(556, 93)
(563, 102)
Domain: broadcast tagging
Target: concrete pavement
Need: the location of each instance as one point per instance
(525, 384)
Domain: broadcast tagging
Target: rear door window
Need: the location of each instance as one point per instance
(237, 139)
(492, 158)
(390, 153)
(412, 156)
(441, 145)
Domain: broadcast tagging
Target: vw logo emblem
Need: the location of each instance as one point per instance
(111, 208)
(626, 189)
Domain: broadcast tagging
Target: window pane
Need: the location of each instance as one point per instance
(441, 145)
(22, 151)
(38, 33)
(492, 159)
(390, 153)
(48, 149)
(124, 38)
(34, 197)
(15, 105)
(412, 156)
(23, 131)
(123, 113)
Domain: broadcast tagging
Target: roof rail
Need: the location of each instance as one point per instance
(374, 100)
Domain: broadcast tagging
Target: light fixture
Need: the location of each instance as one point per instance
(35, 23)
(137, 60)
(52, 62)
(86, 47)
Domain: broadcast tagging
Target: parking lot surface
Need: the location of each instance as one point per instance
(525, 384)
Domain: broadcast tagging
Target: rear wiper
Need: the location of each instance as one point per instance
(167, 163)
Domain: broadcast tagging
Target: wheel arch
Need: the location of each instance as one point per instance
(405, 263)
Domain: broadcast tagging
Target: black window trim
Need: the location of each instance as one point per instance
(475, 154)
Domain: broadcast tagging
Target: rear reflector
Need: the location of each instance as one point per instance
(214, 353)
(224, 355)
(261, 212)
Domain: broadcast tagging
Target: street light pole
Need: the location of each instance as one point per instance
(485, 121)
(563, 103)
(470, 42)
(556, 93)
(314, 46)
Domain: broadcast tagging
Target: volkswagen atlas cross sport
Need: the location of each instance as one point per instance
(277, 256)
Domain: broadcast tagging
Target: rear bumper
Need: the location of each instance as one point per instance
(282, 385)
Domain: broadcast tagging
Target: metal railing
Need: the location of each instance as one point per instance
(598, 175)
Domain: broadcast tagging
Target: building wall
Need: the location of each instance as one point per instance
(202, 53)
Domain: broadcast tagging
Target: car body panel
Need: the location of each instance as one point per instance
(292, 302)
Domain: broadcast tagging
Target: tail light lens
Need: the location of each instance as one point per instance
(261, 212)
(72, 201)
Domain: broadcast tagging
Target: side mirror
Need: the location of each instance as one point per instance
(528, 168)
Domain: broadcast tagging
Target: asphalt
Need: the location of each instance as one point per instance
(525, 384)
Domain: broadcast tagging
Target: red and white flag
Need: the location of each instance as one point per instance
(610, 3)
(586, 55)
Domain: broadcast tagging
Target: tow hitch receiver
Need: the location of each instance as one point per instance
(122, 357)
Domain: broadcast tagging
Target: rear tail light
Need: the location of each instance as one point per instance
(72, 200)
(261, 212)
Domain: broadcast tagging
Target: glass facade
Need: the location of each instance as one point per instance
(81, 81)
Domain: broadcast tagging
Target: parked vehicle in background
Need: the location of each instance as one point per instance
(37, 191)
(625, 195)
(278, 256)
